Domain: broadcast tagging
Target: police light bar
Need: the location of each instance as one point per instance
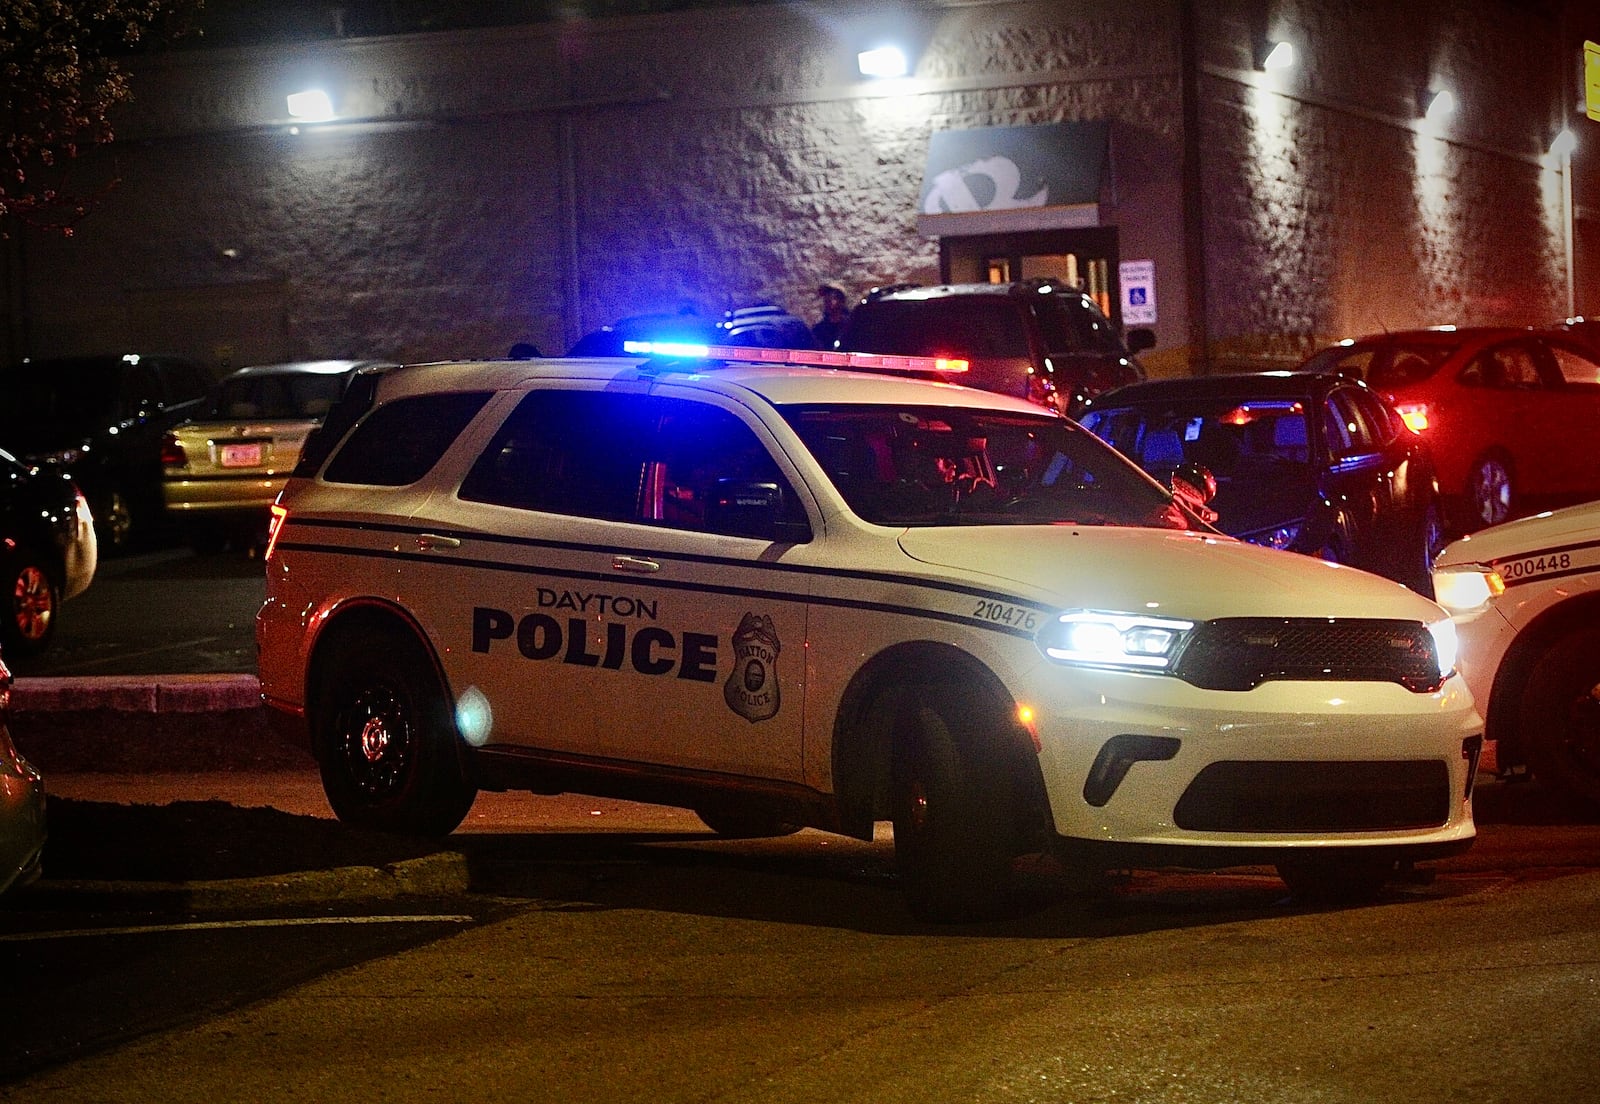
(810, 358)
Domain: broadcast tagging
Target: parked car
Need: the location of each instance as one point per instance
(1511, 415)
(1310, 462)
(22, 803)
(1525, 597)
(783, 596)
(102, 419)
(222, 468)
(1586, 330)
(1038, 339)
(48, 553)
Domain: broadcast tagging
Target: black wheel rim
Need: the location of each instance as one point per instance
(375, 737)
(1582, 737)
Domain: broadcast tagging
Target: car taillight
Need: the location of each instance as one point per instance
(1413, 414)
(172, 454)
(274, 527)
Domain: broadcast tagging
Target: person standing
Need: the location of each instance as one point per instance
(835, 312)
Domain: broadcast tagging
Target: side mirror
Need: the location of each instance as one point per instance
(1141, 339)
(744, 509)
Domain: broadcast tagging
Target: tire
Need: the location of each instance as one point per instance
(1336, 879)
(385, 739)
(744, 822)
(32, 599)
(1430, 538)
(950, 808)
(117, 526)
(1560, 715)
(1490, 491)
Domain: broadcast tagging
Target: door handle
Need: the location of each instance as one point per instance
(634, 563)
(428, 542)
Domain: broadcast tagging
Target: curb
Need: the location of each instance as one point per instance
(176, 723)
(135, 694)
(439, 875)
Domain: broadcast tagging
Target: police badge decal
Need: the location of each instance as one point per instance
(752, 689)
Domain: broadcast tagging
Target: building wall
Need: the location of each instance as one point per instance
(533, 183)
(1334, 209)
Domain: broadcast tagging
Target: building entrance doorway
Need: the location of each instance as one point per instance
(1085, 259)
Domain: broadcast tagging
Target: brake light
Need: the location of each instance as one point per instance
(1414, 415)
(812, 358)
(274, 527)
(172, 454)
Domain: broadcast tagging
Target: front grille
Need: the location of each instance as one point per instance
(1316, 797)
(1240, 653)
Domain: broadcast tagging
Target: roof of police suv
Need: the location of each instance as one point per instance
(779, 384)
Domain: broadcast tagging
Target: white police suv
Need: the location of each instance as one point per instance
(789, 594)
(1526, 598)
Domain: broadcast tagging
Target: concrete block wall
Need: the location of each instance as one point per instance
(1334, 210)
(532, 183)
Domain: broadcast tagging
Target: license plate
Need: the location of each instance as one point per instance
(241, 456)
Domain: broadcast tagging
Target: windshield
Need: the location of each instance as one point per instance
(927, 466)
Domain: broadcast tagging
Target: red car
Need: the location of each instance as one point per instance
(1511, 415)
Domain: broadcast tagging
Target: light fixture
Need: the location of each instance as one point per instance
(882, 61)
(1439, 105)
(311, 106)
(1280, 56)
(1564, 143)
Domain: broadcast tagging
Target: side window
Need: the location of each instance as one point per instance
(1379, 425)
(1574, 367)
(701, 456)
(620, 457)
(1339, 428)
(1069, 323)
(1503, 368)
(401, 441)
(566, 452)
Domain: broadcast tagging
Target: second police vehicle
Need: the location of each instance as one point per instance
(788, 589)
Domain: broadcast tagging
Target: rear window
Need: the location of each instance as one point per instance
(400, 442)
(972, 326)
(1229, 436)
(1407, 364)
(301, 395)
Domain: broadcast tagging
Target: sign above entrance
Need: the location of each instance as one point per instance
(996, 180)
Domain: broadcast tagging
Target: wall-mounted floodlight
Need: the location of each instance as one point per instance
(1564, 144)
(312, 106)
(1438, 106)
(882, 61)
(1281, 56)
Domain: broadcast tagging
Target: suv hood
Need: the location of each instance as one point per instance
(1181, 574)
(1573, 525)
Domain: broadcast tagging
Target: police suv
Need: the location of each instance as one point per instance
(789, 588)
(1526, 598)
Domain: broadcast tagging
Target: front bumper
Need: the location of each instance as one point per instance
(1212, 778)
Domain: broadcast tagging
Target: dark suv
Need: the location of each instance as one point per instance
(102, 420)
(1039, 339)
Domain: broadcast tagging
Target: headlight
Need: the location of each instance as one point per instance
(1445, 646)
(1465, 589)
(1280, 537)
(1094, 638)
